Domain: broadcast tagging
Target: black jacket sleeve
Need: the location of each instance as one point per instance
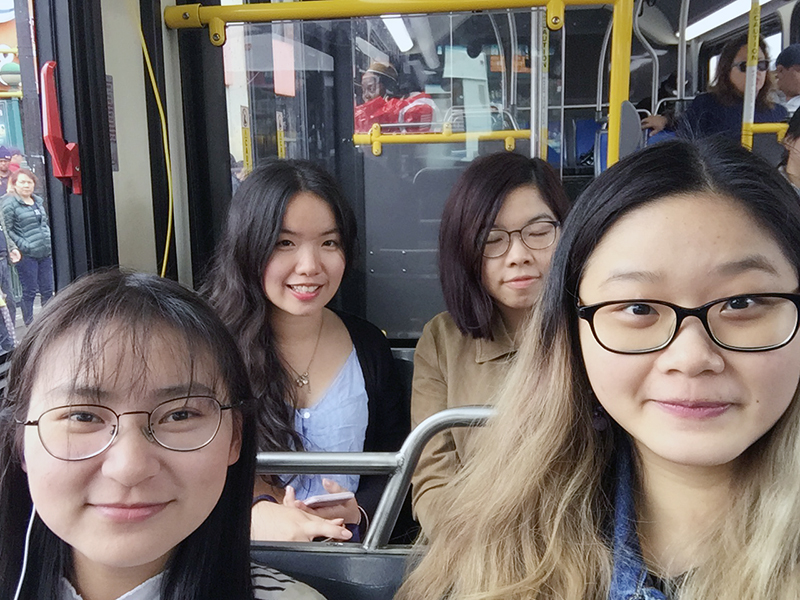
(389, 410)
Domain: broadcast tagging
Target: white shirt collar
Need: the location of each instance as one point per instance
(149, 590)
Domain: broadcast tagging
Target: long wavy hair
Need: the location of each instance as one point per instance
(235, 285)
(528, 517)
(722, 86)
(213, 561)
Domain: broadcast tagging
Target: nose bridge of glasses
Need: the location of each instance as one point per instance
(145, 428)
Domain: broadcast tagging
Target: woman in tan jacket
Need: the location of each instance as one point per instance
(499, 229)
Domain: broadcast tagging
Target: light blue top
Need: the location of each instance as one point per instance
(337, 423)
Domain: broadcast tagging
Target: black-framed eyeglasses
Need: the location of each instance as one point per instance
(762, 65)
(536, 236)
(81, 431)
(745, 323)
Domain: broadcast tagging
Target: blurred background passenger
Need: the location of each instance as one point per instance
(790, 166)
(719, 111)
(787, 74)
(28, 227)
(499, 227)
(326, 379)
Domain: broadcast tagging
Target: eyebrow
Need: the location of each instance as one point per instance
(539, 217)
(754, 262)
(328, 232)
(167, 392)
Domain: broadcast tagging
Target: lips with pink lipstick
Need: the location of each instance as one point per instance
(130, 513)
(694, 409)
(521, 282)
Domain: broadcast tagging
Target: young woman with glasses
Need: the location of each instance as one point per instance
(128, 452)
(326, 379)
(648, 438)
(499, 227)
(719, 111)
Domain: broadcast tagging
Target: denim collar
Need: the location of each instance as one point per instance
(628, 580)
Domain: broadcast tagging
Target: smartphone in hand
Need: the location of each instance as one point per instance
(328, 499)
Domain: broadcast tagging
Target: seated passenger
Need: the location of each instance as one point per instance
(499, 228)
(647, 438)
(720, 110)
(128, 452)
(326, 379)
(387, 101)
(790, 166)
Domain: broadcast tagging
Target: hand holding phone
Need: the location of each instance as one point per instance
(323, 500)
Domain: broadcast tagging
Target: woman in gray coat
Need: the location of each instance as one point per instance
(28, 227)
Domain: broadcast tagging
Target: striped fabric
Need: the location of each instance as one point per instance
(269, 584)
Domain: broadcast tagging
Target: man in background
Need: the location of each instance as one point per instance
(787, 72)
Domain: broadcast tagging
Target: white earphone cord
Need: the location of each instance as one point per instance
(25, 554)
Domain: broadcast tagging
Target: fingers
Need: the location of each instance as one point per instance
(277, 522)
(331, 486)
(289, 497)
(335, 529)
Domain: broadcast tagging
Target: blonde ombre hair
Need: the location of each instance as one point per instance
(531, 515)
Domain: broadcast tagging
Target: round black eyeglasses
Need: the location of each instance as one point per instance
(744, 323)
(82, 431)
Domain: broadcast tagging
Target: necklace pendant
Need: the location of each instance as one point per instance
(302, 380)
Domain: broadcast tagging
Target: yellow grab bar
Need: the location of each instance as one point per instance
(376, 138)
(748, 129)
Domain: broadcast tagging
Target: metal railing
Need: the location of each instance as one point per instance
(398, 465)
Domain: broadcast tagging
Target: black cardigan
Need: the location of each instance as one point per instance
(389, 419)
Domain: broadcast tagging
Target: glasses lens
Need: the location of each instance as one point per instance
(753, 322)
(496, 243)
(77, 431)
(634, 326)
(763, 65)
(540, 235)
(186, 423)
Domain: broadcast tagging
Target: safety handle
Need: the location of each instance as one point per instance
(65, 158)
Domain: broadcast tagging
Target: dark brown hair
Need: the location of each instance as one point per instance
(469, 214)
(723, 87)
(22, 171)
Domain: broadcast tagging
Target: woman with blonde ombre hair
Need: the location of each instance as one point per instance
(648, 437)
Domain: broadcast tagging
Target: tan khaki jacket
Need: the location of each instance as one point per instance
(450, 370)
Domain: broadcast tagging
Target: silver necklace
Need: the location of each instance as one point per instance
(301, 379)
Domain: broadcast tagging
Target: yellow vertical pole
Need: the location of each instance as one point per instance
(619, 82)
(750, 91)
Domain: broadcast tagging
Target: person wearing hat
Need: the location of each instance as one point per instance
(5, 169)
(787, 72)
(377, 90)
(378, 81)
(17, 158)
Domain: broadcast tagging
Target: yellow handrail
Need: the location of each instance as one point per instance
(193, 16)
(748, 129)
(376, 138)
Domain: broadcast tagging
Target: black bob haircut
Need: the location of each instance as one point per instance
(469, 215)
(213, 561)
